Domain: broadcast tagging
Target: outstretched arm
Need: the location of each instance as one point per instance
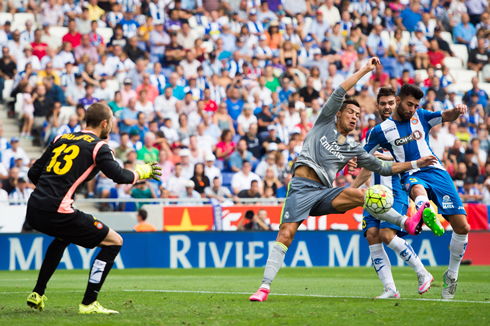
(352, 80)
(453, 114)
(335, 101)
(384, 168)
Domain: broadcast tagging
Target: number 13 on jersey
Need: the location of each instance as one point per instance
(70, 153)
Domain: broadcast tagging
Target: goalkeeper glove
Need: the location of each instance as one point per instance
(148, 170)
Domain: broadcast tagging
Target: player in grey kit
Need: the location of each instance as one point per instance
(325, 152)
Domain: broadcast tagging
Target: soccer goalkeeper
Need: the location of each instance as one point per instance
(68, 162)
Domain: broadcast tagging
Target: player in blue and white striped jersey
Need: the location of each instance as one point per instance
(406, 135)
(376, 231)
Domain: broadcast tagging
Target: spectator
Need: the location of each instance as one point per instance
(14, 151)
(482, 95)
(479, 56)
(217, 191)
(254, 144)
(38, 47)
(74, 93)
(142, 189)
(252, 192)
(190, 193)
(21, 192)
(464, 31)
(88, 99)
(210, 170)
(148, 153)
(241, 155)
(410, 17)
(256, 222)
(436, 56)
(382, 77)
(87, 48)
(469, 193)
(129, 116)
(136, 74)
(201, 181)
(124, 147)
(103, 92)
(223, 119)
(142, 225)
(8, 68)
(70, 127)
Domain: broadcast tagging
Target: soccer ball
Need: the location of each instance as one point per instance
(378, 199)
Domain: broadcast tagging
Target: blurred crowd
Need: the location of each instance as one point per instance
(223, 92)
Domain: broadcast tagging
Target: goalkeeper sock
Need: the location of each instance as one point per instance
(382, 265)
(457, 247)
(100, 269)
(406, 252)
(391, 216)
(51, 261)
(274, 263)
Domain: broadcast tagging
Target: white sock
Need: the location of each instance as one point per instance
(457, 247)
(391, 216)
(274, 263)
(419, 200)
(382, 265)
(406, 252)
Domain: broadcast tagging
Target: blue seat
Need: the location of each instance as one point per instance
(227, 176)
(130, 207)
(219, 164)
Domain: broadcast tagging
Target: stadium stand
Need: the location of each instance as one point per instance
(208, 74)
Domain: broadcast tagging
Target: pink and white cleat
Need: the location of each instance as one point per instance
(424, 282)
(413, 225)
(260, 295)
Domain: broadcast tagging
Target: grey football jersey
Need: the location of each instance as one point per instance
(327, 151)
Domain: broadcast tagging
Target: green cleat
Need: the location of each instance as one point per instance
(36, 301)
(431, 220)
(95, 308)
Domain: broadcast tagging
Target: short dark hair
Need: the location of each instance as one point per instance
(385, 91)
(253, 181)
(143, 214)
(410, 90)
(347, 102)
(96, 113)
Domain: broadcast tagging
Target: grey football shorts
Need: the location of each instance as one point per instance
(305, 198)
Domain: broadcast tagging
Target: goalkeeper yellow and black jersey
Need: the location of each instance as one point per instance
(68, 162)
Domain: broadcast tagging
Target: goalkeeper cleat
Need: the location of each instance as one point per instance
(389, 294)
(260, 295)
(413, 225)
(424, 282)
(36, 301)
(95, 308)
(432, 222)
(449, 286)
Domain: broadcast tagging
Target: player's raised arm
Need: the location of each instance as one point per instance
(352, 80)
(335, 100)
(454, 113)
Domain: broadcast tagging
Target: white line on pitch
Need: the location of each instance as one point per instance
(306, 295)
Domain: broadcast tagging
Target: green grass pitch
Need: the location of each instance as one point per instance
(300, 296)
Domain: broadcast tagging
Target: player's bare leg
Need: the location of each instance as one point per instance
(419, 195)
(101, 267)
(457, 247)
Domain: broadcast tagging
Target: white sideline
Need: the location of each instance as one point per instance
(273, 294)
(307, 295)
